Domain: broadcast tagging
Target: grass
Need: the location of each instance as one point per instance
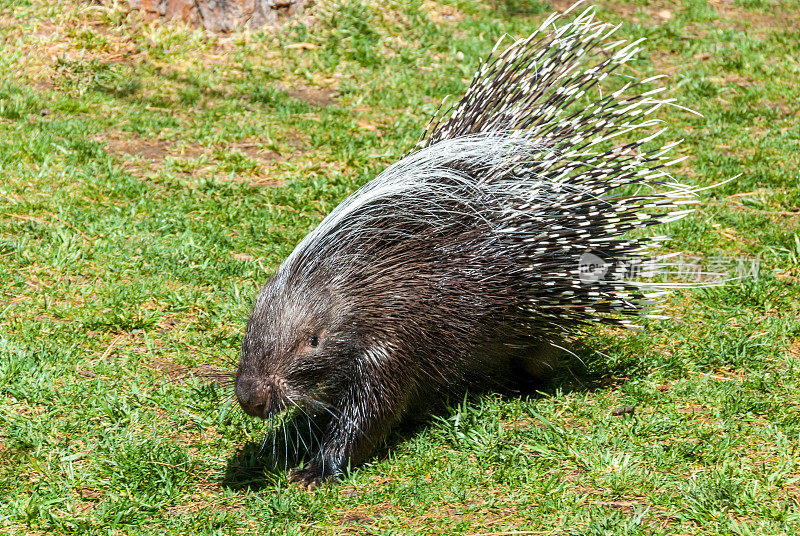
(153, 176)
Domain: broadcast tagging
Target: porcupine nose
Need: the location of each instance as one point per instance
(254, 396)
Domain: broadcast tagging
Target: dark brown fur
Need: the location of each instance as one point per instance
(422, 320)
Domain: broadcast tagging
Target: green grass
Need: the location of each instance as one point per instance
(152, 177)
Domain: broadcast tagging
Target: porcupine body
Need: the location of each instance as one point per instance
(462, 262)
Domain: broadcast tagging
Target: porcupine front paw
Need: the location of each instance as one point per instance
(313, 474)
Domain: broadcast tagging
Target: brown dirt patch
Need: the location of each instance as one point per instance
(574, 474)
(692, 409)
(148, 150)
(756, 23)
(791, 492)
(315, 96)
(360, 518)
(257, 152)
(176, 372)
(654, 12)
(562, 5)
(730, 14)
(733, 79)
(699, 413)
(92, 495)
(145, 156)
(794, 349)
(110, 348)
(587, 490)
(656, 515)
(364, 520)
(168, 323)
(442, 14)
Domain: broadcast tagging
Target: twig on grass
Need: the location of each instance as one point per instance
(111, 346)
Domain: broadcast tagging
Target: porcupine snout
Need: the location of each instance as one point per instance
(255, 396)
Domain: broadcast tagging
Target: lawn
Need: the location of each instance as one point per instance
(153, 176)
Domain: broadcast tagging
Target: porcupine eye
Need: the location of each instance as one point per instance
(313, 342)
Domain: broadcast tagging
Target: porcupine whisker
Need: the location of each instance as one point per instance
(285, 444)
(297, 440)
(330, 410)
(264, 443)
(274, 447)
(310, 422)
(308, 419)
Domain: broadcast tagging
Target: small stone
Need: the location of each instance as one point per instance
(623, 410)
(242, 257)
(665, 14)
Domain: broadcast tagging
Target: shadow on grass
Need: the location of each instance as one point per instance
(249, 470)
(258, 466)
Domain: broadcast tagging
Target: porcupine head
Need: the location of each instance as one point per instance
(464, 258)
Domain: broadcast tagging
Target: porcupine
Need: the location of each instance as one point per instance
(462, 262)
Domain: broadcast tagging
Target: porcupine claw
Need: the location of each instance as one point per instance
(311, 476)
(306, 479)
